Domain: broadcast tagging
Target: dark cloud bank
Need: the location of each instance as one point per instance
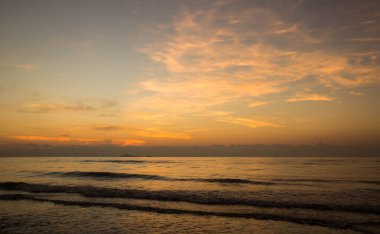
(14, 150)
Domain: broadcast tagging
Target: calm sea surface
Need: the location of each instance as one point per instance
(190, 195)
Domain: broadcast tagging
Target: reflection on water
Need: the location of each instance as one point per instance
(318, 195)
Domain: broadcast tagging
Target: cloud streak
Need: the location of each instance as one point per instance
(145, 132)
(23, 66)
(309, 97)
(80, 141)
(155, 133)
(365, 39)
(75, 106)
(251, 123)
(43, 138)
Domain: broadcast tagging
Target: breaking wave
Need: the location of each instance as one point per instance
(129, 161)
(232, 181)
(328, 181)
(100, 174)
(115, 161)
(213, 197)
(113, 175)
(124, 206)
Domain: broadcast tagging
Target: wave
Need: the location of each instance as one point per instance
(124, 206)
(113, 175)
(232, 181)
(116, 161)
(213, 197)
(364, 227)
(100, 174)
(314, 180)
(370, 182)
(327, 181)
(127, 161)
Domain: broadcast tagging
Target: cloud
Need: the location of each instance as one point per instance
(365, 39)
(58, 139)
(89, 47)
(23, 66)
(145, 132)
(229, 117)
(45, 108)
(251, 123)
(156, 133)
(108, 128)
(212, 58)
(258, 103)
(288, 29)
(128, 142)
(200, 93)
(356, 93)
(74, 106)
(81, 141)
(300, 97)
(43, 138)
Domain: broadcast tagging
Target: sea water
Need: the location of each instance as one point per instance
(189, 195)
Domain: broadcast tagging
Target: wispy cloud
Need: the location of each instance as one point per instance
(365, 39)
(89, 47)
(108, 128)
(128, 142)
(43, 138)
(300, 97)
(145, 132)
(23, 66)
(200, 94)
(287, 29)
(59, 139)
(81, 141)
(258, 103)
(45, 108)
(251, 123)
(156, 133)
(73, 106)
(356, 93)
(229, 117)
(213, 58)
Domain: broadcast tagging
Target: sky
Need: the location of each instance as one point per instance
(150, 73)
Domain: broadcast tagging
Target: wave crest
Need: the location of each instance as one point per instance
(124, 206)
(213, 197)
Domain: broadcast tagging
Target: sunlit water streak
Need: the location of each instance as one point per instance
(231, 195)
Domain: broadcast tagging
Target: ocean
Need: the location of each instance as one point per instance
(189, 195)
